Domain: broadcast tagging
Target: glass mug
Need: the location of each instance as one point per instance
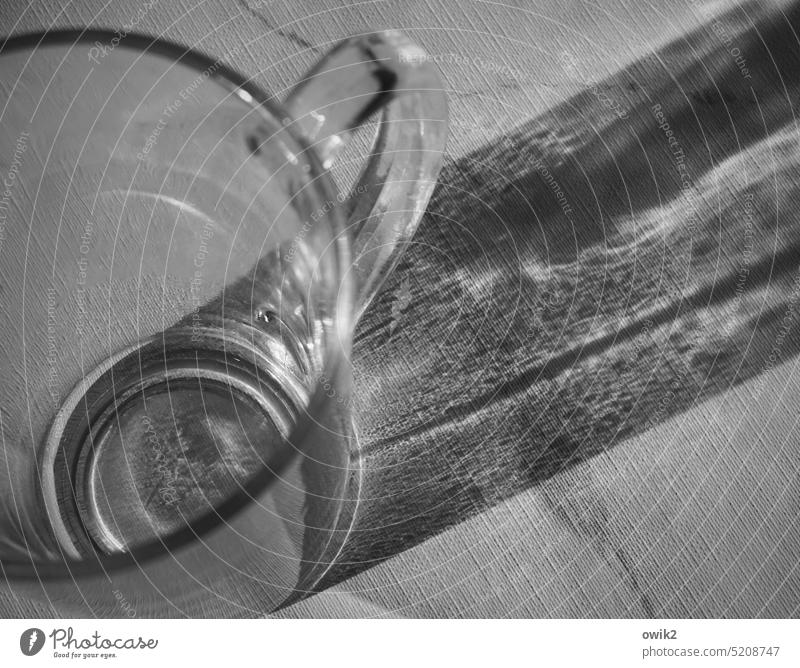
(180, 280)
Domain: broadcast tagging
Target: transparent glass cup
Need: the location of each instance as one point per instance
(180, 281)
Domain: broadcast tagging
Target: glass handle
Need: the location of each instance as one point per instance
(388, 72)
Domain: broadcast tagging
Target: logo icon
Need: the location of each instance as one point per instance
(31, 641)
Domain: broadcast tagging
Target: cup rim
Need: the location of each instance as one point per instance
(68, 568)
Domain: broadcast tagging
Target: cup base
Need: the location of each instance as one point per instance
(158, 436)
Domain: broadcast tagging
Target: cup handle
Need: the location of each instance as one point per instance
(380, 71)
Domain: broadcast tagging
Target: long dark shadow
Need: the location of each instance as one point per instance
(583, 277)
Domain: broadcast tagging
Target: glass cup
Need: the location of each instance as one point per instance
(180, 279)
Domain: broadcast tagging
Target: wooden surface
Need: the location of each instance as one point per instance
(580, 398)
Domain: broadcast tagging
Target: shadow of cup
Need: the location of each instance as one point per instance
(582, 278)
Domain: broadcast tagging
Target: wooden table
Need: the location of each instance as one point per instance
(578, 392)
